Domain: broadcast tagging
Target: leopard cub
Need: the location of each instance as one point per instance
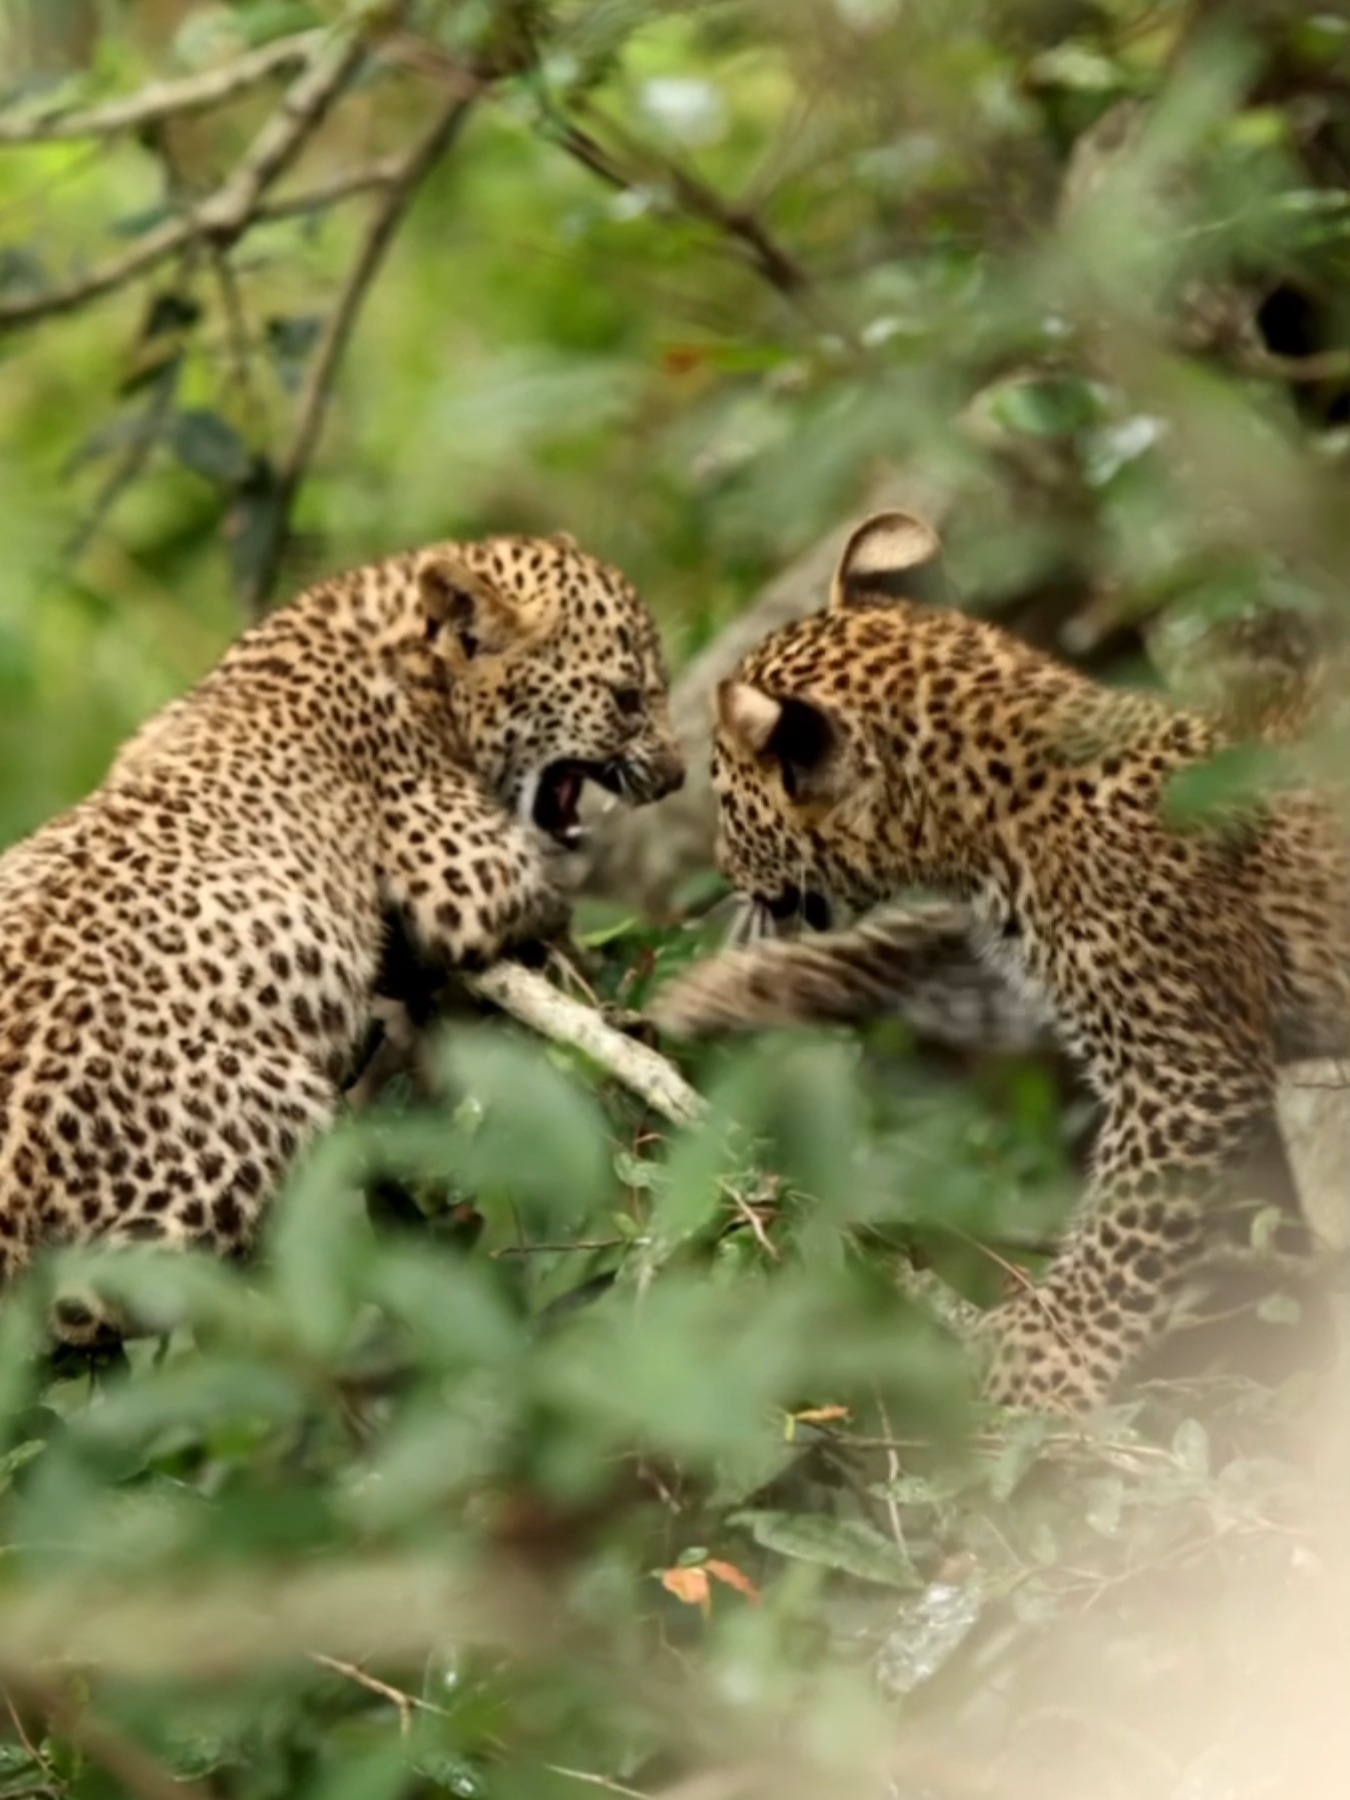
(886, 744)
(189, 956)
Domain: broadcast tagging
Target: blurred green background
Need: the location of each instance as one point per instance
(687, 281)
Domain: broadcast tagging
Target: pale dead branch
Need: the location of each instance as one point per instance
(167, 99)
(532, 999)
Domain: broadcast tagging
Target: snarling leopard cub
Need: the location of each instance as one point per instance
(187, 957)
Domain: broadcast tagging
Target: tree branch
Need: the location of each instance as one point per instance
(401, 184)
(166, 99)
(226, 213)
(533, 999)
(752, 238)
(346, 185)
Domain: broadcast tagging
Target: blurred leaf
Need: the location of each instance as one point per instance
(21, 271)
(847, 1545)
(209, 446)
(256, 522)
(1231, 779)
(291, 338)
(542, 1137)
(689, 1585)
(1018, 1452)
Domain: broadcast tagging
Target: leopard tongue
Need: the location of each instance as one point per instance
(565, 796)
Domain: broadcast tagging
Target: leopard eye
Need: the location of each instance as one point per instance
(628, 700)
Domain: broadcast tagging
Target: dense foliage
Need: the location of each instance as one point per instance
(617, 1462)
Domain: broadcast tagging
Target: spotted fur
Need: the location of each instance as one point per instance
(886, 744)
(188, 956)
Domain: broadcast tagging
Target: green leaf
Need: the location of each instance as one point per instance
(18, 1458)
(21, 272)
(540, 1137)
(1048, 407)
(849, 1545)
(256, 524)
(209, 446)
(318, 1243)
(1018, 1453)
(290, 338)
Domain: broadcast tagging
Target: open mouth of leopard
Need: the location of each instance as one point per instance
(556, 804)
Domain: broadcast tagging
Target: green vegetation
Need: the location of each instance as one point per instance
(431, 1505)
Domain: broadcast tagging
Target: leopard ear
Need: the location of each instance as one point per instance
(564, 540)
(464, 612)
(804, 739)
(747, 715)
(892, 555)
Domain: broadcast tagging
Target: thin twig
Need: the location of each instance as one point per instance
(765, 254)
(398, 1697)
(531, 998)
(133, 1767)
(166, 99)
(104, 278)
(305, 103)
(739, 224)
(610, 1243)
(348, 185)
(892, 1476)
(228, 211)
(746, 1211)
(600, 1781)
(32, 1751)
(323, 366)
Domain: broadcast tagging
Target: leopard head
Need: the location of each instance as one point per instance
(820, 792)
(556, 676)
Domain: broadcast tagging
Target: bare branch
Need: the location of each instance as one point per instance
(533, 999)
(226, 213)
(747, 232)
(347, 185)
(166, 99)
(49, 302)
(401, 185)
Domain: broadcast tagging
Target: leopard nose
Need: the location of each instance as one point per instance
(670, 774)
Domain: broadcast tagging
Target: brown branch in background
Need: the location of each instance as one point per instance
(741, 225)
(167, 99)
(401, 186)
(350, 184)
(752, 238)
(303, 106)
(225, 214)
(104, 278)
